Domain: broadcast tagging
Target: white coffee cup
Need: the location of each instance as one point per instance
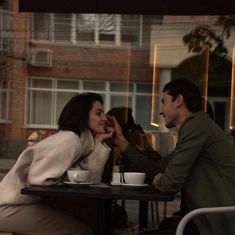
(75, 175)
(134, 177)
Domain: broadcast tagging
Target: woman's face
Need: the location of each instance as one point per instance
(97, 120)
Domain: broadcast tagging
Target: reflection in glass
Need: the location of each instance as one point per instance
(62, 99)
(41, 83)
(232, 97)
(41, 108)
(117, 101)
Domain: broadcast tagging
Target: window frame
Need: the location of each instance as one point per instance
(4, 25)
(7, 91)
(97, 39)
(107, 93)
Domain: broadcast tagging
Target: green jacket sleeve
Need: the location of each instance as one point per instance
(191, 139)
(135, 160)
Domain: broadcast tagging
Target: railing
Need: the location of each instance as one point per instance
(190, 215)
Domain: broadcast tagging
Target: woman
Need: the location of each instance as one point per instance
(83, 129)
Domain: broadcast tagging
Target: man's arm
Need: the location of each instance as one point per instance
(192, 139)
(136, 160)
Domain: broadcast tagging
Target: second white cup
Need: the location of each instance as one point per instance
(134, 177)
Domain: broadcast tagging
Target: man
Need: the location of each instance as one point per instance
(203, 163)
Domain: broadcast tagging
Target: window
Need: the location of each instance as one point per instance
(103, 28)
(131, 29)
(220, 106)
(4, 96)
(4, 28)
(47, 97)
(86, 28)
(62, 27)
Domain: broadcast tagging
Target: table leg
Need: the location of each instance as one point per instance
(143, 214)
(103, 217)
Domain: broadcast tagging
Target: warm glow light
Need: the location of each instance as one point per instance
(154, 89)
(159, 55)
(125, 102)
(154, 124)
(231, 114)
(204, 85)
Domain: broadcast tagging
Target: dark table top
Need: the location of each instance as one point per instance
(113, 192)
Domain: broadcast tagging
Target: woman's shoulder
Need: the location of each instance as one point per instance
(61, 137)
(68, 135)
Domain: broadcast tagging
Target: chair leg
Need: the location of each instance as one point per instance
(157, 213)
(152, 213)
(165, 210)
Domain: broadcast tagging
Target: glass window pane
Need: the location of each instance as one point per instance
(130, 28)
(72, 85)
(62, 27)
(143, 112)
(3, 98)
(145, 88)
(220, 111)
(96, 86)
(62, 99)
(41, 26)
(117, 101)
(86, 27)
(123, 87)
(41, 83)
(107, 27)
(41, 107)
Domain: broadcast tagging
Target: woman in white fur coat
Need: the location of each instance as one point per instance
(82, 131)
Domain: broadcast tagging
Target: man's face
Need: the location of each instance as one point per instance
(169, 110)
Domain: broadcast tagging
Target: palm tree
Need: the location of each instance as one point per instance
(211, 36)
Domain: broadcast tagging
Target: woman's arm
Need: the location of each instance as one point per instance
(52, 161)
(96, 161)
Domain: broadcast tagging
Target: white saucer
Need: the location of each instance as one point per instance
(101, 185)
(134, 185)
(78, 183)
(115, 183)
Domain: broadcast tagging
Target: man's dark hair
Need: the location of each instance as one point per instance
(75, 115)
(189, 90)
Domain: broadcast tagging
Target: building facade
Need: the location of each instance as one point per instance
(46, 58)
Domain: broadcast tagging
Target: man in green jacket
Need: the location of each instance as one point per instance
(202, 165)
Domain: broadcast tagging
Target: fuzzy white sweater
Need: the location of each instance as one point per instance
(47, 162)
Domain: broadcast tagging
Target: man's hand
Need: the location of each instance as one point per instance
(156, 179)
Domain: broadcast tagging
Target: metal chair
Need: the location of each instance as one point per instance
(190, 215)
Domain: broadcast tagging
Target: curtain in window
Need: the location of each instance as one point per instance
(3, 97)
(4, 28)
(41, 26)
(130, 28)
(107, 24)
(86, 27)
(62, 27)
(41, 108)
(62, 99)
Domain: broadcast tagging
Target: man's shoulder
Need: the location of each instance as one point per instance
(198, 118)
(198, 121)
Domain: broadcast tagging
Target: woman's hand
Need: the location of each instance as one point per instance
(107, 135)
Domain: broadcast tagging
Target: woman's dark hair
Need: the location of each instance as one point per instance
(123, 115)
(75, 114)
(189, 90)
